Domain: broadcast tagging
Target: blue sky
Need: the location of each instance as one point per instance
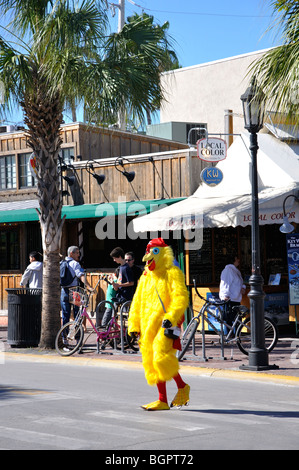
(210, 30)
(204, 31)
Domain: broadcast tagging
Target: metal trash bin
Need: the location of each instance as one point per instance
(24, 317)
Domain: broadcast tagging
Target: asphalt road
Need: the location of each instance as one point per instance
(55, 406)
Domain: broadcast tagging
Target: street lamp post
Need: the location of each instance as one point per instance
(253, 109)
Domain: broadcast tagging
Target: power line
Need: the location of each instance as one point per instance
(198, 13)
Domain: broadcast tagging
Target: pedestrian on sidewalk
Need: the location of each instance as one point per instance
(78, 274)
(33, 274)
(136, 270)
(231, 287)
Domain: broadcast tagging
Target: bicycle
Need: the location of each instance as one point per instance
(239, 332)
(72, 338)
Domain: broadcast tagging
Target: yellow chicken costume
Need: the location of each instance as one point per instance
(159, 303)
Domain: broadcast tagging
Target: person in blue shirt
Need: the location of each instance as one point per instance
(73, 256)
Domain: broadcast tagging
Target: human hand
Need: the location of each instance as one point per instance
(166, 324)
(134, 334)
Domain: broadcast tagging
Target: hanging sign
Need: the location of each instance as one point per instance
(293, 267)
(211, 176)
(211, 149)
(32, 165)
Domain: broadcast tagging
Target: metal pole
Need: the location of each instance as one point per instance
(121, 22)
(121, 15)
(258, 354)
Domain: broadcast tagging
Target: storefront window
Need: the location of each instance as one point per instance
(9, 248)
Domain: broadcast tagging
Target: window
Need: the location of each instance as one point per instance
(9, 248)
(67, 155)
(26, 180)
(8, 172)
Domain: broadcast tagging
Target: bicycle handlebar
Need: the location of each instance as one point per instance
(211, 301)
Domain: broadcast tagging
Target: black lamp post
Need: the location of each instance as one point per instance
(253, 109)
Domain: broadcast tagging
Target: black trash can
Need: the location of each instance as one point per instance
(24, 317)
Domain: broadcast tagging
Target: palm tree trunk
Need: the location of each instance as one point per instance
(43, 116)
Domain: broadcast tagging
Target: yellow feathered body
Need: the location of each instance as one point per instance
(146, 316)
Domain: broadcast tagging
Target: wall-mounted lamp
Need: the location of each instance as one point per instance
(99, 178)
(130, 175)
(90, 169)
(287, 227)
(69, 179)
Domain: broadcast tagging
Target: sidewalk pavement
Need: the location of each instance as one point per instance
(285, 358)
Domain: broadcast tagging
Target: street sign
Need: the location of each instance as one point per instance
(211, 176)
(211, 149)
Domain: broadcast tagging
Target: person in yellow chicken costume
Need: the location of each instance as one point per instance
(159, 303)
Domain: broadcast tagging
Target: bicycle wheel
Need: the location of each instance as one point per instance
(188, 335)
(129, 342)
(69, 338)
(244, 335)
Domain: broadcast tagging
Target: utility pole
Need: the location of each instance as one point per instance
(121, 14)
(121, 22)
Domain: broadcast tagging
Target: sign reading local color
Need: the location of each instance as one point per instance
(211, 176)
(211, 149)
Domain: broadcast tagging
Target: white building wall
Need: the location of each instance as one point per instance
(203, 92)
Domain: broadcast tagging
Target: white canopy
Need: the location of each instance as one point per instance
(229, 203)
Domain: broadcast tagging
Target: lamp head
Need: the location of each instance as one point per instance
(99, 178)
(286, 226)
(253, 108)
(130, 175)
(70, 180)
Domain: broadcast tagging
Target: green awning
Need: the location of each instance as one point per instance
(89, 211)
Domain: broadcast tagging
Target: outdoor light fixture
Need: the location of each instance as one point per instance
(99, 178)
(90, 169)
(130, 175)
(253, 109)
(69, 179)
(287, 227)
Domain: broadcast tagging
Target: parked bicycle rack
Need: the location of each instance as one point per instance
(203, 357)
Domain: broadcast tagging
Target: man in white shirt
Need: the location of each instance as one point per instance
(231, 287)
(33, 274)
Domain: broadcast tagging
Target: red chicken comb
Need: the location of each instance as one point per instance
(155, 242)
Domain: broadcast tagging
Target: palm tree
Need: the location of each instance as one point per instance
(55, 54)
(277, 71)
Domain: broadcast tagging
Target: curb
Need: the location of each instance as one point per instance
(189, 370)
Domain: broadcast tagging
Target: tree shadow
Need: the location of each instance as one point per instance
(273, 414)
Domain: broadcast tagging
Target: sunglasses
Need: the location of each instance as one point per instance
(130, 259)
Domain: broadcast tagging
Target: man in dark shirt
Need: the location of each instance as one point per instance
(130, 259)
(125, 281)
